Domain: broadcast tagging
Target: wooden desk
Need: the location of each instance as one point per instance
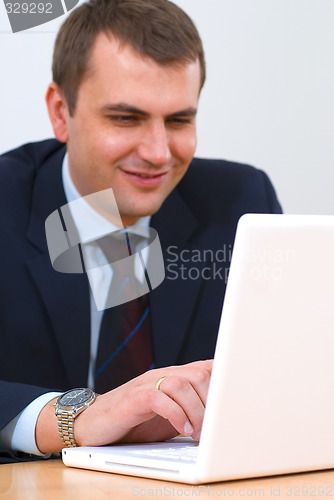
(51, 480)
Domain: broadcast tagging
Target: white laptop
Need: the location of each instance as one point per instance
(270, 407)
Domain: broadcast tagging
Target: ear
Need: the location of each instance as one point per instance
(58, 111)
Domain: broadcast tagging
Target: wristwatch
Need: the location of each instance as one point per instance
(67, 407)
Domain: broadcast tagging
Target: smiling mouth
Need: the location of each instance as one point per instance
(145, 180)
(146, 176)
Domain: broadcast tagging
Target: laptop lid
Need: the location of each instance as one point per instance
(271, 389)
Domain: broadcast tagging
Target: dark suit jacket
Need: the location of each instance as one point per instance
(45, 315)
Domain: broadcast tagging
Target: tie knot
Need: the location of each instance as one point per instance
(120, 245)
(121, 248)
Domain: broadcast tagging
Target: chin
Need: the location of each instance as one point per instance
(131, 218)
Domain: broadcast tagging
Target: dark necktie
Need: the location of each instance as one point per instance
(125, 344)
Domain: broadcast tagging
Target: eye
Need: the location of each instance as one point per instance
(180, 121)
(123, 119)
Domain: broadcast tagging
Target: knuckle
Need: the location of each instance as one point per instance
(201, 376)
(151, 395)
(178, 383)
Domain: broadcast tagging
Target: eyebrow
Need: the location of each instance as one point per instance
(127, 108)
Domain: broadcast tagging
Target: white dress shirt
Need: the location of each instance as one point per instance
(19, 434)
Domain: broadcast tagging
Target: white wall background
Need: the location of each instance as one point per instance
(268, 101)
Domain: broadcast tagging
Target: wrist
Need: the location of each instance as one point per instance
(46, 430)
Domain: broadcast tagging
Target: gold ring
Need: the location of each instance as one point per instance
(158, 384)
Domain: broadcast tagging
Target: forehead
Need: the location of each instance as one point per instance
(115, 68)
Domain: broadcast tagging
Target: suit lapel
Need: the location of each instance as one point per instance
(65, 296)
(174, 300)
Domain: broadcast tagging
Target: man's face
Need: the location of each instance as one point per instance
(133, 127)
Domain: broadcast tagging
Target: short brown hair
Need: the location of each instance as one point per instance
(158, 29)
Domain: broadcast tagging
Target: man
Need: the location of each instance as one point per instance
(127, 76)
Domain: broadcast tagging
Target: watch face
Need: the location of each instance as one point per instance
(75, 397)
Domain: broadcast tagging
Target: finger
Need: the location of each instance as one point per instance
(204, 364)
(153, 376)
(182, 392)
(198, 374)
(200, 380)
(163, 405)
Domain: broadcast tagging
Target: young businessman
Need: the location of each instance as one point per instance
(127, 76)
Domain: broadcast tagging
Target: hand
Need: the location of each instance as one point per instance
(137, 411)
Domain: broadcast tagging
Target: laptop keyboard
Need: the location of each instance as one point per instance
(175, 453)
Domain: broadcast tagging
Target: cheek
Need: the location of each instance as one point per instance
(185, 146)
(113, 145)
(184, 152)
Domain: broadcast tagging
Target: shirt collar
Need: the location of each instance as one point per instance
(89, 223)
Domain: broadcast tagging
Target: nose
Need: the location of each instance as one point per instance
(154, 146)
